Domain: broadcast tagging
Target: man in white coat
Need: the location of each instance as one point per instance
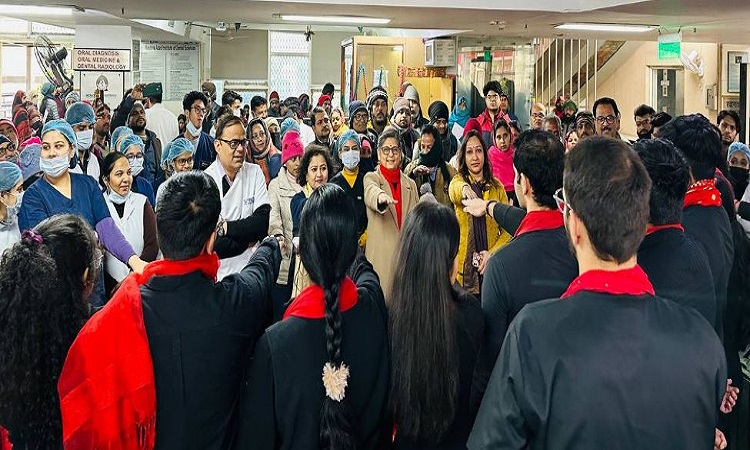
(160, 120)
(245, 208)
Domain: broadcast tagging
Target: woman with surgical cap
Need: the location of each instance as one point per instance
(81, 117)
(177, 157)
(11, 194)
(133, 147)
(118, 134)
(60, 192)
(132, 214)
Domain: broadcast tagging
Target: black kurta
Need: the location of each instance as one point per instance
(598, 371)
(280, 405)
(532, 267)
(678, 268)
(201, 336)
(470, 324)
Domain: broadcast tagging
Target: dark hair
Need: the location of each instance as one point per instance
(156, 98)
(307, 159)
(422, 319)
(670, 178)
(229, 97)
(329, 89)
(606, 101)
(463, 169)
(696, 138)
(107, 165)
(659, 119)
(540, 156)
(227, 121)
(608, 188)
(732, 115)
(191, 97)
(643, 110)
(431, 130)
(501, 123)
(182, 117)
(492, 85)
(328, 250)
(224, 110)
(257, 101)
(389, 133)
(187, 214)
(42, 299)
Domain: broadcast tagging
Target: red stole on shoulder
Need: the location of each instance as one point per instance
(5, 440)
(310, 303)
(654, 228)
(632, 281)
(703, 193)
(540, 220)
(107, 389)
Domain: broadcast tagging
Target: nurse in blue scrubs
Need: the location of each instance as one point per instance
(61, 192)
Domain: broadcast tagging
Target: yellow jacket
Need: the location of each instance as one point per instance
(496, 236)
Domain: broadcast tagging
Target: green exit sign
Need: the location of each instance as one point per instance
(669, 46)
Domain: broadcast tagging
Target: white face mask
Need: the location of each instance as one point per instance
(192, 129)
(237, 113)
(54, 167)
(350, 159)
(136, 166)
(84, 139)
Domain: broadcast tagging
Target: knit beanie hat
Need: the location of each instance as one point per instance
(410, 93)
(355, 106)
(438, 110)
(273, 95)
(291, 146)
(289, 124)
(323, 99)
(376, 93)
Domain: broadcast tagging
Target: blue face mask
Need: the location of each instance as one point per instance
(84, 139)
(118, 199)
(192, 129)
(54, 167)
(350, 159)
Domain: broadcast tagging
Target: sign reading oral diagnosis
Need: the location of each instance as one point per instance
(101, 60)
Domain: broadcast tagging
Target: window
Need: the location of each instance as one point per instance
(289, 64)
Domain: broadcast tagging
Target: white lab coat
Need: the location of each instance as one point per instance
(131, 226)
(9, 235)
(92, 169)
(306, 134)
(246, 194)
(163, 123)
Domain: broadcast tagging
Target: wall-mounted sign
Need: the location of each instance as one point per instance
(101, 60)
(669, 46)
(175, 64)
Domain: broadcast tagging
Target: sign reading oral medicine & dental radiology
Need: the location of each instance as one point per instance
(102, 60)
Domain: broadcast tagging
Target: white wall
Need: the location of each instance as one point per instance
(326, 57)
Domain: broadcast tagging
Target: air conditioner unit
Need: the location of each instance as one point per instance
(440, 53)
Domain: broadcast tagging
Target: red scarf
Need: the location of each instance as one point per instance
(310, 303)
(621, 282)
(393, 177)
(703, 193)
(539, 221)
(654, 228)
(5, 440)
(107, 389)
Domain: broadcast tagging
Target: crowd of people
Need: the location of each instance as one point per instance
(291, 275)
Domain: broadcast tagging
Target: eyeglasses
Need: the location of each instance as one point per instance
(492, 96)
(198, 110)
(234, 143)
(360, 117)
(390, 150)
(608, 119)
(538, 115)
(560, 200)
(640, 123)
(10, 148)
(184, 162)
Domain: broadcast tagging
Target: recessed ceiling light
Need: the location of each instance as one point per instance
(607, 27)
(336, 19)
(32, 10)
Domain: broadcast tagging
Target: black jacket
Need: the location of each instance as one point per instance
(678, 268)
(280, 405)
(201, 336)
(357, 194)
(596, 371)
(531, 267)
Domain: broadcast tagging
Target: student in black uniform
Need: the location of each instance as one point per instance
(675, 264)
(436, 331)
(351, 178)
(609, 364)
(537, 264)
(337, 328)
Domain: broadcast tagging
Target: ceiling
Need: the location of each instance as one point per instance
(699, 20)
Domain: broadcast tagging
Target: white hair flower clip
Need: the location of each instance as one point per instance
(335, 380)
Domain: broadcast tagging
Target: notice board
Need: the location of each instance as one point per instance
(175, 64)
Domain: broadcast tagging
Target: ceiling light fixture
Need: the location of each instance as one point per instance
(606, 27)
(30, 10)
(336, 19)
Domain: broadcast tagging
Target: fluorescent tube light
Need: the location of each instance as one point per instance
(336, 19)
(607, 27)
(31, 10)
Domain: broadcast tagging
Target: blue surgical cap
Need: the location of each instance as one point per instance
(176, 148)
(348, 135)
(30, 160)
(10, 175)
(738, 147)
(61, 126)
(78, 113)
(119, 133)
(129, 141)
(288, 124)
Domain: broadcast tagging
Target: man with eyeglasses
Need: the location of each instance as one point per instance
(492, 92)
(358, 121)
(245, 209)
(537, 115)
(194, 105)
(161, 120)
(8, 151)
(607, 117)
(642, 116)
(101, 129)
(152, 145)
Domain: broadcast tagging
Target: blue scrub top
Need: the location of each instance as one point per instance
(42, 200)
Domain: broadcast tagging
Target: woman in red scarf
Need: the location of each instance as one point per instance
(389, 196)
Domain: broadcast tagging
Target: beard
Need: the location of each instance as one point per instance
(137, 128)
(644, 134)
